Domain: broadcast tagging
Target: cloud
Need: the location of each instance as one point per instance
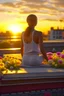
(2, 1)
(58, 2)
(7, 8)
(50, 8)
(34, 1)
(8, 4)
(2, 10)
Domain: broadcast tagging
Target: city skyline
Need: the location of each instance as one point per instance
(13, 14)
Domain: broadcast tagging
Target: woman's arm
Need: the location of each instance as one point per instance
(41, 46)
(21, 45)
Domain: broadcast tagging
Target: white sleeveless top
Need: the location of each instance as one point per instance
(32, 47)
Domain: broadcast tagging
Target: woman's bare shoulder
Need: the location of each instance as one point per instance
(39, 33)
(22, 33)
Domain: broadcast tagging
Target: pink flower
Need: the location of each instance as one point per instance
(62, 56)
(49, 57)
(58, 53)
(0, 57)
(60, 61)
(49, 53)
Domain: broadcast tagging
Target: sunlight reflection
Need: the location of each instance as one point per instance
(22, 70)
(14, 36)
(49, 70)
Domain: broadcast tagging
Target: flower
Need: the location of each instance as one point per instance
(1, 64)
(60, 61)
(50, 57)
(62, 56)
(0, 57)
(11, 63)
(62, 52)
(11, 68)
(18, 63)
(56, 59)
(2, 67)
(49, 53)
(55, 65)
(50, 61)
(58, 53)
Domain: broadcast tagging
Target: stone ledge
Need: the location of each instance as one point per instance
(32, 73)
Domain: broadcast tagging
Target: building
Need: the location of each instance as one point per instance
(56, 34)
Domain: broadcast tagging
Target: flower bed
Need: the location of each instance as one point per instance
(56, 59)
(10, 63)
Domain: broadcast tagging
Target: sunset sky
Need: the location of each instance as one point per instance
(13, 14)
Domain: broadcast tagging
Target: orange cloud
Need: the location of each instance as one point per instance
(50, 8)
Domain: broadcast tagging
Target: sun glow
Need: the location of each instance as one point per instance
(15, 28)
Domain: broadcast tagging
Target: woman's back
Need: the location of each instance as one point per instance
(34, 35)
(30, 42)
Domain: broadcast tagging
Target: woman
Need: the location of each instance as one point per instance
(32, 44)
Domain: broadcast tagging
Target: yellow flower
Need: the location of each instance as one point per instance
(1, 64)
(55, 65)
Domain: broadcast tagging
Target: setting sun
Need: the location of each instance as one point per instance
(15, 28)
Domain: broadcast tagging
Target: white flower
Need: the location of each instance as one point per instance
(7, 62)
(11, 68)
(50, 61)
